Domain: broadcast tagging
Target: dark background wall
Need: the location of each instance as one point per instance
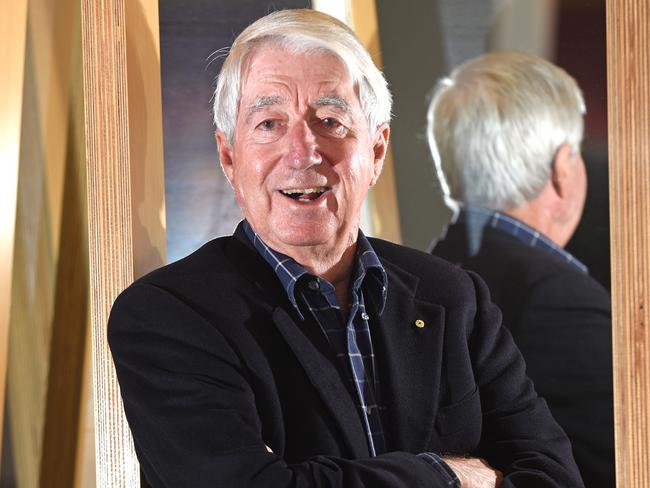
(581, 50)
(199, 201)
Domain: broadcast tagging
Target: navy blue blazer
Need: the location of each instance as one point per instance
(560, 319)
(216, 370)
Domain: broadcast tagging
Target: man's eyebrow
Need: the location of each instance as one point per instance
(261, 103)
(333, 101)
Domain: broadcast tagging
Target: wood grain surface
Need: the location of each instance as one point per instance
(628, 53)
(125, 194)
(109, 215)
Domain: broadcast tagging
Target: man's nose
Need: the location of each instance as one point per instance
(303, 149)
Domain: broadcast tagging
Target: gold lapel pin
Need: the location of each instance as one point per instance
(419, 323)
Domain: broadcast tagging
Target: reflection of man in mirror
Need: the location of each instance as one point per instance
(507, 128)
(298, 352)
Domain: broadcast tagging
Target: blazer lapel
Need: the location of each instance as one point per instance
(311, 349)
(307, 342)
(409, 355)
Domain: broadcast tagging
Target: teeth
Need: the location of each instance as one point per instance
(299, 191)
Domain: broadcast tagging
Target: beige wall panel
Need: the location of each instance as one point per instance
(46, 339)
(126, 193)
(385, 214)
(31, 313)
(84, 469)
(145, 128)
(13, 28)
(52, 27)
(31, 304)
(70, 320)
(628, 53)
(68, 333)
(85, 474)
(380, 214)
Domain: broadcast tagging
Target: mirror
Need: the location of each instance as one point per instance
(446, 33)
(443, 34)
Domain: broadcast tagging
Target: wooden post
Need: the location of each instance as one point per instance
(381, 202)
(628, 55)
(125, 193)
(384, 209)
(48, 288)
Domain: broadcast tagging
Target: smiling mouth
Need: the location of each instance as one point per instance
(305, 194)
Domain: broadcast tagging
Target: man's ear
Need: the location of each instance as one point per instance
(380, 149)
(225, 155)
(563, 166)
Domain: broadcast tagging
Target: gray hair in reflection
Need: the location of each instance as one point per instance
(301, 30)
(495, 125)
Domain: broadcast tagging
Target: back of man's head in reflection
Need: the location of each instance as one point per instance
(507, 129)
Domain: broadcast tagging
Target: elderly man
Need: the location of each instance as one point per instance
(508, 128)
(298, 352)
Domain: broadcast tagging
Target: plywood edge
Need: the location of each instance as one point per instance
(628, 53)
(109, 215)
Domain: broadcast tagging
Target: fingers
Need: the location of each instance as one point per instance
(474, 472)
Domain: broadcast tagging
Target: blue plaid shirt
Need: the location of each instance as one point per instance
(476, 218)
(351, 342)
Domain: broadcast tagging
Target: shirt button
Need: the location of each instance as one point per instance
(365, 316)
(313, 285)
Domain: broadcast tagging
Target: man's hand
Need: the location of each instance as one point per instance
(474, 472)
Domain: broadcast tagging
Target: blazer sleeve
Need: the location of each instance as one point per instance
(190, 406)
(520, 437)
(565, 335)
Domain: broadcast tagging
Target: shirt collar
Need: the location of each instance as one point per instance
(289, 272)
(476, 219)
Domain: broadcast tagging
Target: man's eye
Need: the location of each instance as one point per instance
(331, 122)
(268, 124)
(333, 126)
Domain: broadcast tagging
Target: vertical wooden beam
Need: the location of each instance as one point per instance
(145, 135)
(384, 208)
(51, 37)
(111, 257)
(84, 469)
(13, 29)
(628, 53)
(60, 458)
(43, 377)
(126, 193)
(381, 209)
(85, 472)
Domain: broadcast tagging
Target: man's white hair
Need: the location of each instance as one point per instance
(496, 124)
(301, 30)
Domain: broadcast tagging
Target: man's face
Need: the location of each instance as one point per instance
(302, 158)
